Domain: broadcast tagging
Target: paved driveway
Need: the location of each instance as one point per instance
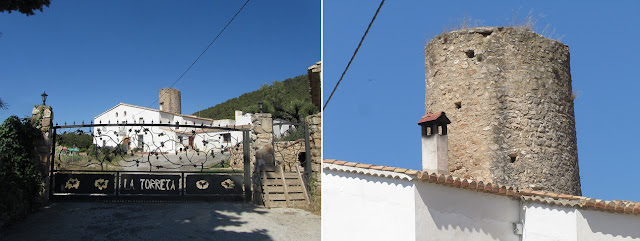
(164, 221)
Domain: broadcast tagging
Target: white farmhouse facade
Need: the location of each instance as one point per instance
(165, 138)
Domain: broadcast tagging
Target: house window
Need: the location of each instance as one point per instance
(116, 114)
(161, 104)
(141, 120)
(125, 113)
(226, 137)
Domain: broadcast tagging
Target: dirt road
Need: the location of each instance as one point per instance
(164, 221)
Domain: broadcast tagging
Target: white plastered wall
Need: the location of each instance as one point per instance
(599, 225)
(448, 213)
(124, 113)
(553, 222)
(549, 222)
(364, 207)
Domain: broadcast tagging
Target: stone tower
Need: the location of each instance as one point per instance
(170, 100)
(507, 92)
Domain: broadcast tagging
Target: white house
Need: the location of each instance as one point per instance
(165, 139)
(369, 202)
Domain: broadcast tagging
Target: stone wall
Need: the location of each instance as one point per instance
(315, 83)
(287, 154)
(508, 94)
(237, 158)
(261, 149)
(42, 118)
(315, 135)
(170, 100)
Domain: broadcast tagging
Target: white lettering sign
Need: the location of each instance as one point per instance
(157, 184)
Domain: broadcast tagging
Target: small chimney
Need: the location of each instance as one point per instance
(435, 157)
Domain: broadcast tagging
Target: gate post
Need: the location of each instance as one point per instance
(50, 186)
(42, 119)
(307, 153)
(246, 155)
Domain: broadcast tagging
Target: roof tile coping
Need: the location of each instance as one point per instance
(559, 199)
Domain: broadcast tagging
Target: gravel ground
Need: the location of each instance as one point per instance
(164, 221)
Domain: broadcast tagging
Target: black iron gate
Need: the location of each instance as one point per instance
(149, 161)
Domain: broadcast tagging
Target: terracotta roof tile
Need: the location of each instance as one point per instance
(363, 165)
(411, 172)
(464, 183)
(473, 185)
(513, 192)
(457, 182)
(434, 116)
(399, 170)
(388, 168)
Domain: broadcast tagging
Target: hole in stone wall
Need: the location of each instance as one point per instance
(513, 157)
(485, 34)
(458, 104)
(470, 53)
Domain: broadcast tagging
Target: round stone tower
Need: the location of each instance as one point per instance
(507, 92)
(170, 100)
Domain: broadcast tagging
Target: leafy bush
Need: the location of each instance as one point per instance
(20, 178)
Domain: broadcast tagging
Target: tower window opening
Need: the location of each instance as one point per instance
(470, 53)
(513, 157)
(458, 104)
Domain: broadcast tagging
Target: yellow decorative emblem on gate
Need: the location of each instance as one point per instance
(228, 184)
(202, 184)
(101, 183)
(72, 183)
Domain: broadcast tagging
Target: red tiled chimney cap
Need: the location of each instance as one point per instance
(437, 118)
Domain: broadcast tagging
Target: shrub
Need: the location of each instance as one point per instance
(19, 166)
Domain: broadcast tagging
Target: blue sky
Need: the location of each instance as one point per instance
(372, 117)
(90, 55)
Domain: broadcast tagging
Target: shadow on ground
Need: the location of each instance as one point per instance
(164, 221)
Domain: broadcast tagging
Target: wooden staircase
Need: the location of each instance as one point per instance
(283, 189)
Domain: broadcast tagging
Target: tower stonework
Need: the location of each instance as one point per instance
(508, 94)
(170, 100)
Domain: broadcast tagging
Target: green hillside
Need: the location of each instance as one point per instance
(289, 100)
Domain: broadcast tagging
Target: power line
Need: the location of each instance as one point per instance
(205, 50)
(354, 55)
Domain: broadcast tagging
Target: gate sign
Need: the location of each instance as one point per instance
(150, 184)
(84, 183)
(214, 184)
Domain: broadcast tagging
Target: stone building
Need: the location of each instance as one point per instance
(508, 94)
(170, 100)
(315, 83)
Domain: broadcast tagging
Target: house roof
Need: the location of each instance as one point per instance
(614, 206)
(155, 110)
